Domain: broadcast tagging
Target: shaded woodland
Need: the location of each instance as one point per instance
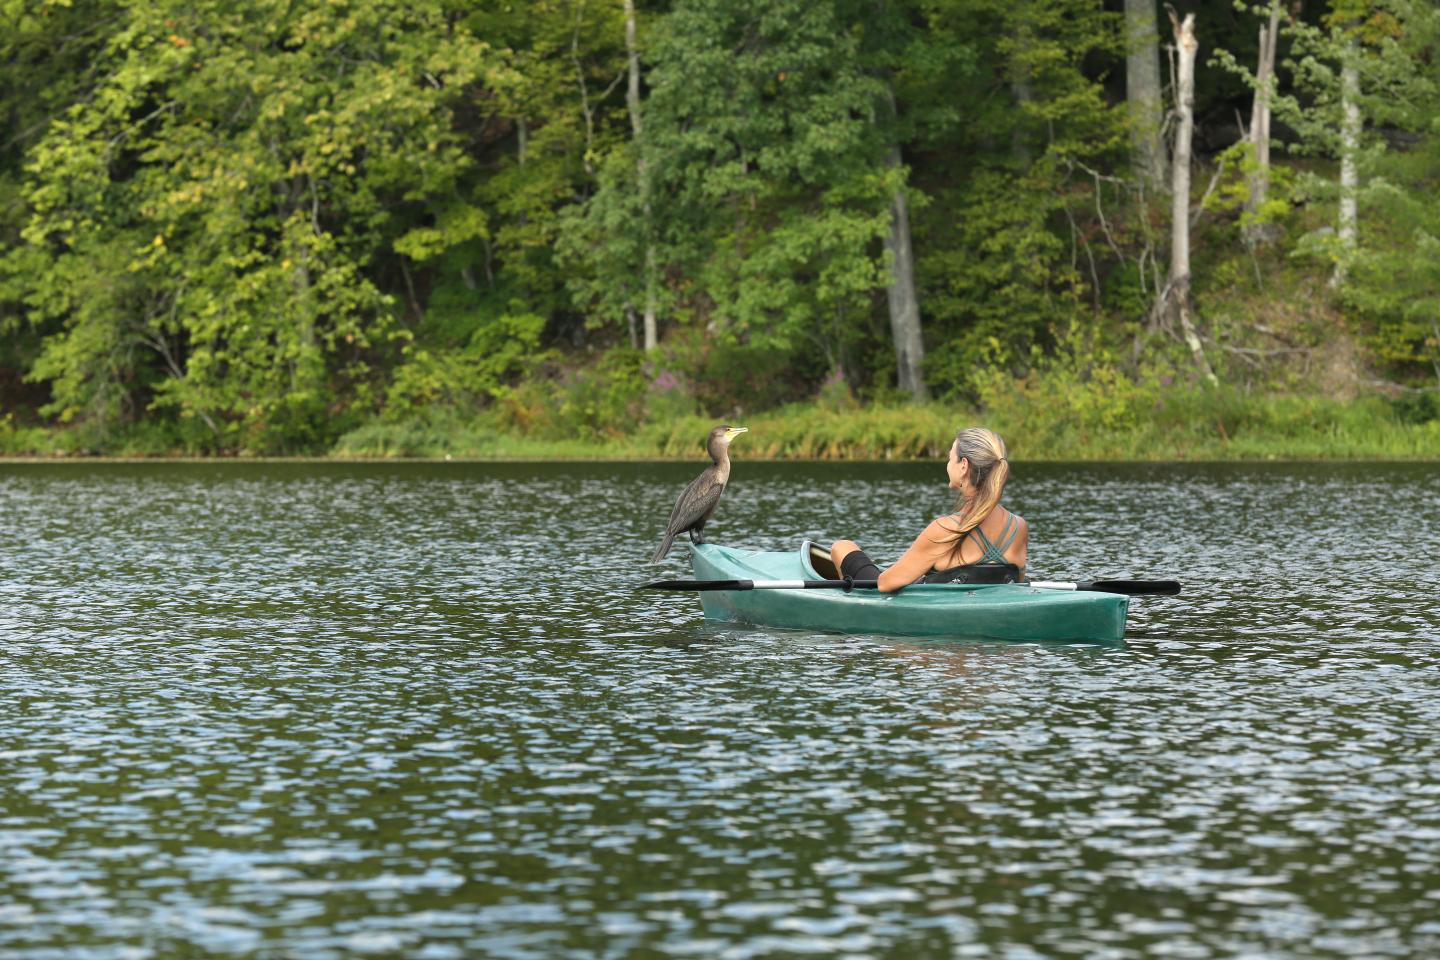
(259, 225)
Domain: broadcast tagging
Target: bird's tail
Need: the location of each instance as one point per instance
(664, 548)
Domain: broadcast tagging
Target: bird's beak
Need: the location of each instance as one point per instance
(734, 432)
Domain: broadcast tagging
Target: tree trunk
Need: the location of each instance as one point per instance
(1257, 233)
(1177, 293)
(1022, 93)
(630, 325)
(903, 301)
(642, 174)
(1020, 89)
(1142, 92)
(1349, 150)
(522, 151)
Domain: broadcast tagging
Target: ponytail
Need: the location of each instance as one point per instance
(989, 469)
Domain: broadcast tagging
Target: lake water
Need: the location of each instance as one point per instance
(323, 711)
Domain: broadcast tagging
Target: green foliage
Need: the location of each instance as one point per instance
(1174, 421)
(1001, 244)
(1371, 35)
(731, 377)
(1012, 283)
(464, 379)
(1394, 286)
(669, 396)
(19, 440)
(607, 400)
(209, 218)
(1386, 43)
(769, 179)
(602, 402)
(554, 89)
(259, 226)
(835, 393)
(1417, 408)
(1081, 390)
(809, 432)
(436, 432)
(1085, 409)
(1233, 190)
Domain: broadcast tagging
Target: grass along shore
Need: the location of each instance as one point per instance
(1185, 425)
(1181, 424)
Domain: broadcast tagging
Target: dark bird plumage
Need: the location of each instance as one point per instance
(698, 500)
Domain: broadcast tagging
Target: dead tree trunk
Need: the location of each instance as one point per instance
(642, 174)
(903, 301)
(1022, 92)
(1349, 155)
(1175, 300)
(1142, 92)
(1253, 232)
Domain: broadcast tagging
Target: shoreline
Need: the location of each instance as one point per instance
(613, 458)
(1171, 426)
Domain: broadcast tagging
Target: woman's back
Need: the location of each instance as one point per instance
(1000, 538)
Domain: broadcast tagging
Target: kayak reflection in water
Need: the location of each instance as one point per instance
(970, 545)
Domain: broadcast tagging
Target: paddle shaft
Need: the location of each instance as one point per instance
(846, 585)
(1130, 588)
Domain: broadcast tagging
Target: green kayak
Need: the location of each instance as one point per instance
(1008, 611)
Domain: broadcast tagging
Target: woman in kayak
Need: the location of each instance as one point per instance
(979, 533)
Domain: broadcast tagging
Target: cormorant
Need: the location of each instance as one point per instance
(698, 501)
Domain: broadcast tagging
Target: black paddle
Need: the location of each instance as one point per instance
(1130, 588)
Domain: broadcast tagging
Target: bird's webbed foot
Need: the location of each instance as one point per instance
(697, 535)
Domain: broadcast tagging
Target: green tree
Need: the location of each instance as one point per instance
(1394, 280)
(1010, 244)
(47, 52)
(210, 222)
(1354, 73)
(770, 188)
(488, 281)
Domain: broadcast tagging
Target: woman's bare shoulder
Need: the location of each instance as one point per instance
(1022, 531)
(937, 536)
(946, 525)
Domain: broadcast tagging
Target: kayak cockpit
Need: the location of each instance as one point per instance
(815, 561)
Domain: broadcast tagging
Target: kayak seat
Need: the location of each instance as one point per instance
(824, 567)
(821, 562)
(975, 573)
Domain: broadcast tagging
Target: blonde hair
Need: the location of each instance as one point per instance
(989, 469)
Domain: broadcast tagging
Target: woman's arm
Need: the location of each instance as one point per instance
(919, 559)
(926, 551)
(912, 565)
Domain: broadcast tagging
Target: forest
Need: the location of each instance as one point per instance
(595, 227)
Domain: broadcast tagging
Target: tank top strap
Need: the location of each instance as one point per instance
(995, 550)
(984, 541)
(1009, 533)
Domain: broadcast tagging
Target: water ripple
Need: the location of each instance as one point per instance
(324, 711)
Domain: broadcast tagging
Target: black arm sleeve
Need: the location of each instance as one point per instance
(857, 566)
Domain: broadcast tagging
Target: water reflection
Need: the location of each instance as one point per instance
(321, 711)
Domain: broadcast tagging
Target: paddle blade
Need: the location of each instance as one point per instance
(698, 585)
(1134, 588)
